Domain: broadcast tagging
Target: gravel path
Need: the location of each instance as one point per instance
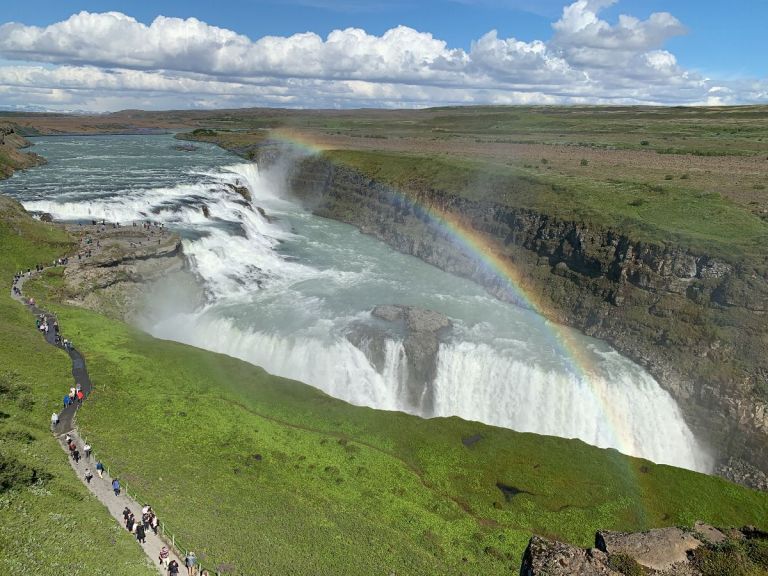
(99, 487)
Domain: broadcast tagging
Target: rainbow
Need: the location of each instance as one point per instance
(473, 244)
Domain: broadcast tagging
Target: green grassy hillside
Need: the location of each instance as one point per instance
(264, 475)
(49, 524)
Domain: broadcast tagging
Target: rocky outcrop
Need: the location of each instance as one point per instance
(115, 269)
(551, 558)
(662, 552)
(659, 549)
(421, 331)
(742, 472)
(11, 156)
(243, 191)
(694, 321)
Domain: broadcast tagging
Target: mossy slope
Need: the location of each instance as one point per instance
(49, 524)
(267, 475)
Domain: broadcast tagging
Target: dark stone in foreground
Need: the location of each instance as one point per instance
(551, 558)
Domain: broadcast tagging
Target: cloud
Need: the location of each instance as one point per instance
(100, 59)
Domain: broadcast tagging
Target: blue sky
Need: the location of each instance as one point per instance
(723, 42)
(726, 38)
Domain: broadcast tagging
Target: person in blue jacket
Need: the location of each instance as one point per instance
(116, 486)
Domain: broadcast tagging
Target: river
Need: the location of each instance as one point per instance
(287, 291)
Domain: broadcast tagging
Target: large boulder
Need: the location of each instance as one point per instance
(551, 558)
(423, 331)
(658, 549)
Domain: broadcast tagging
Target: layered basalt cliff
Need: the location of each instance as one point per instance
(695, 322)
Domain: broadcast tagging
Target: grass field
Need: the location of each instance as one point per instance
(49, 524)
(705, 222)
(264, 475)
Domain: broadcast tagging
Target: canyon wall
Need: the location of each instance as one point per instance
(697, 323)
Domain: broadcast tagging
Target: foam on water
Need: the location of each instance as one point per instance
(289, 311)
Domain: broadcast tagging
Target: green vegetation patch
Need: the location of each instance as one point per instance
(261, 474)
(49, 524)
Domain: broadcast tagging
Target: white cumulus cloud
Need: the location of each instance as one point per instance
(104, 60)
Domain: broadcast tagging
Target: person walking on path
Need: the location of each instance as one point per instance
(88, 475)
(67, 401)
(54, 420)
(173, 568)
(76, 455)
(116, 486)
(100, 469)
(164, 557)
(141, 534)
(190, 561)
(87, 451)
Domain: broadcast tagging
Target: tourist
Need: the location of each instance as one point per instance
(164, 557)
(67, 439)
(100, 469)
(173, 568)
(190, 561)
(88, 476)
(67, 401)
(154, 523)
(116, 486)
(87, 451)
(76, 456)
(141, 534)
(126, 514)
(80, 397)
(54, 420)
(130, 524)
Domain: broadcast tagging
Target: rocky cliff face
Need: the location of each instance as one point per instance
(695, 322)
(11, 157)
(119, 271)
(664, 552)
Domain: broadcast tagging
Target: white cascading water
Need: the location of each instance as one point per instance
(290, 312)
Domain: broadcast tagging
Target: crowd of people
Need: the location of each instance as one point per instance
(140, 527)
(76, 395)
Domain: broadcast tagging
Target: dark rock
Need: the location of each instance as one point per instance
(741, 472)
(551, 558)
(423, 331)
(240, 189)
(470, 441)
(184, 147)
(46, 217)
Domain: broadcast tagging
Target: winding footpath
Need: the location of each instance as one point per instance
(101, 488)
